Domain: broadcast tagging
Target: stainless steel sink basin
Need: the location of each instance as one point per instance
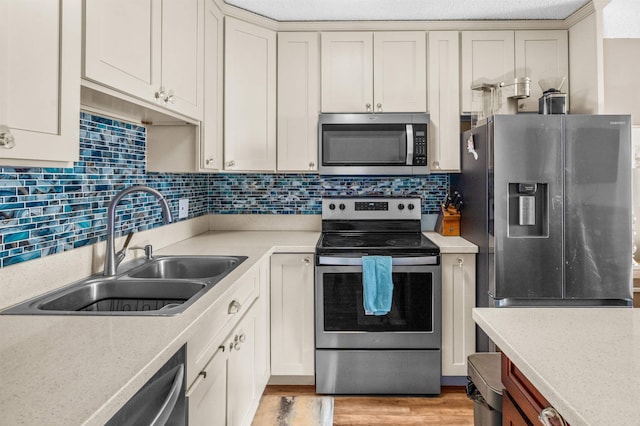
(187, 267)
(104, 295)
(161, 286)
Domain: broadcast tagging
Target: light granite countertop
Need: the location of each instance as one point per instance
(584, 361)
(73, 370)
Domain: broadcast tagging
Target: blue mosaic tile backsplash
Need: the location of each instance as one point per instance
(50, 210)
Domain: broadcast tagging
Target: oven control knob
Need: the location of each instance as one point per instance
(410, 206)
(400, 206)
(332, 206)
(342, 206)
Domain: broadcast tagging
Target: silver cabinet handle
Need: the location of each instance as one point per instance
(368, 107)
(7, 141)
(201, 376)
(436, 164)
(549, 414)
(236, 346)
(460, 262)
(231, 163)
(208, 161)
(379, 106)
(170, 402)
(312, 165)
(242, 338)
(234, 307)
(170, 98)
(306, 261)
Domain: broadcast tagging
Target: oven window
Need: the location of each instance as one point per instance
(371, 144)
(411, 306)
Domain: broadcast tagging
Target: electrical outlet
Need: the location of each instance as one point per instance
(183, 208)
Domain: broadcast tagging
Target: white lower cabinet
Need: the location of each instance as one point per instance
(292, 345)
(458, 300)
(208, 396)
(227, 390)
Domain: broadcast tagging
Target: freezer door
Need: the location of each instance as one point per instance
(598, 236)
(527, 206)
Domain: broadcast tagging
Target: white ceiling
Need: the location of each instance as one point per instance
(347, 10)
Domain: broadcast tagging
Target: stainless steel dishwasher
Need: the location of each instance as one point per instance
(161, 401)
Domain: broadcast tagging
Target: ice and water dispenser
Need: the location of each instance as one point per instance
(528, 209)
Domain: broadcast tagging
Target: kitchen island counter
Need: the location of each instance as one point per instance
(584, 361)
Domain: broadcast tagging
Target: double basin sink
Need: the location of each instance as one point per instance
(161, 286)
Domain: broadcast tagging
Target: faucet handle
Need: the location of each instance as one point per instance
(123, 251)
(148, 250)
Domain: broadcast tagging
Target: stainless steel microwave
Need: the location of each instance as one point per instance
(373, 144)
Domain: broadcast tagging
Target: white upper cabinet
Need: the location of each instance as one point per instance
(40, 43)
(250, 97)
(210, 157)
(347, 72)
(400, 71)
(149, 49)
(444, 101)
(381, 72)
(487, 57)
(541, 55)
(298, 101)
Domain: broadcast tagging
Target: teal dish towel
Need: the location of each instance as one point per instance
(377, 285)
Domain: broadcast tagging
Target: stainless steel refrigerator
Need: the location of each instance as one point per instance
(548, 202)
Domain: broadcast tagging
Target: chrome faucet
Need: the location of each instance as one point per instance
(112, 260)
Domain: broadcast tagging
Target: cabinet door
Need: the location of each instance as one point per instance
(123, 45)
(241, 371)
(400, 71)
(40, 81)
(347, 71)
(458, 300)
(181, 59)
(292, 344)
(210, 155)
(511, 416)
(250, 97)
(263, 331)
(444, 101)
(208, 394)
(298, 101)
(541, 56)
(487, 57)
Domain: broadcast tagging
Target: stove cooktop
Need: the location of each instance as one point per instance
(376, 243)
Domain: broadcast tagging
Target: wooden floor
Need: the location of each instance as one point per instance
(452, 407)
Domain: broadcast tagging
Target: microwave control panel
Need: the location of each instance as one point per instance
(420, 145)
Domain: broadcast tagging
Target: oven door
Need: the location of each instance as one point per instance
(413, 322)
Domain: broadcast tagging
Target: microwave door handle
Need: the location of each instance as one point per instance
(409, 144)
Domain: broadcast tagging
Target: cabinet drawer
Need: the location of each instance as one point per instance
(522, 392)
(218, 321)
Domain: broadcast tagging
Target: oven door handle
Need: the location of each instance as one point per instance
(395, 261)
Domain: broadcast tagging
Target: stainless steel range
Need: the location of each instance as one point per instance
(357, 353)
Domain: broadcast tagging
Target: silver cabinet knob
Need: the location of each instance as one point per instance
(306, 261)
(236, 346)
(379, 106)
(242, 338)
(160, 95)
(460, 262)
(368, 107)
(234, 307)
(312, 165)
(170, 98)
(209, 161)
(550, 417)
(7, 141)
(436, 164)
(231, 164)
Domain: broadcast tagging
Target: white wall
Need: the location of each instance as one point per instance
(621, 19)
(583, 67)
